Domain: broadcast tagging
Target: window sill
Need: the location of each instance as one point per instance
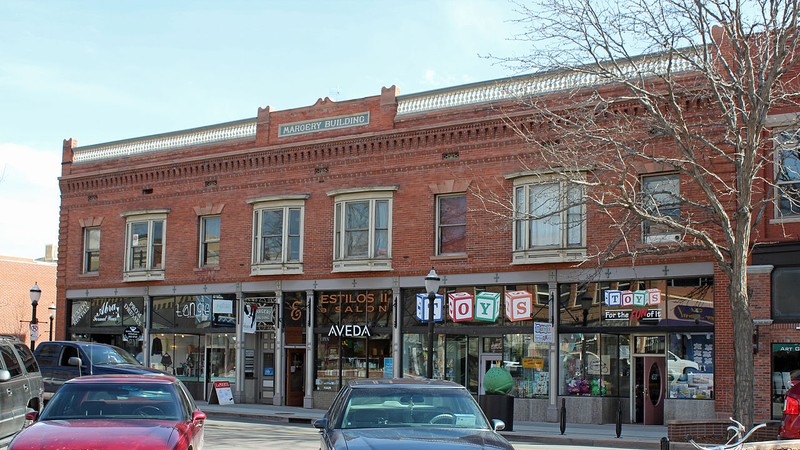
(206, 269)
(449, 257)
(662, 238)
(554, 255)
(362, 265)
(791, 219)
(89, 275)
(144, 275)
(276, 269)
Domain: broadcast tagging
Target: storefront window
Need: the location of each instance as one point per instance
(221, 357)
(616, 350)
(677, 302)
(415, 355)
(785, 374)
(354, 358)
(529, 364)
(353, 334)
(584, 370)
(690, 365)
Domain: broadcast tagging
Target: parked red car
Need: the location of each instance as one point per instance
(126, 412)
(790, 426)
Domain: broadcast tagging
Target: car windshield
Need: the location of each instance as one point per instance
(113, 401)
(380, 408)
(109, 355)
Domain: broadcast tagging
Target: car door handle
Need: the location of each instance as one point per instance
(25, 387)
(8, 391)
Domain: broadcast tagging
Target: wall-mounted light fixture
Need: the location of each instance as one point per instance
(758, 323)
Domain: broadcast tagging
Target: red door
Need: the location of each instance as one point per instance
(655, 390)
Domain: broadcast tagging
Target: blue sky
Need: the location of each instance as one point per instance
(100, 71)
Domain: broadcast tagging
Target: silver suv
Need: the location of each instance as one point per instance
(20, 386)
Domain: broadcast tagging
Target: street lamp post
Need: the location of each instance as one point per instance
(35, 294)
(431, 287)
(52, 309)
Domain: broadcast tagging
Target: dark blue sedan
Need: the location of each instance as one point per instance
(407, 414)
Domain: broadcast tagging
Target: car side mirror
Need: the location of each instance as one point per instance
(321, 424)
(74, 361)
(498, 425)
(5, 375)
(198, 417)
(31, 416)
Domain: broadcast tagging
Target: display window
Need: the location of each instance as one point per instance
(690, 365)
(340, 359)
(785, 374)
(529, 365)
(594, 364)
(353, 334)
(685, 302)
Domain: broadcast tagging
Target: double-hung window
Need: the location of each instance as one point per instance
(661, 197)
(91, 249)
(209, 241)
(362, 229)
(278, 235)
(787, 167)
(145, 242)
(549, 222)
(451, 224)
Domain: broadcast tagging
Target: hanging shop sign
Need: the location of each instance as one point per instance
(132, 334)
(543, 332)
(519, 305)
(349, 330)
(463, 306)
(422, 308)
(487, 306)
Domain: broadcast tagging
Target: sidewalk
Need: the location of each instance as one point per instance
(633, 436)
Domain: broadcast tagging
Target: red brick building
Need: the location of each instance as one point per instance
(286, 254)
(17, 277)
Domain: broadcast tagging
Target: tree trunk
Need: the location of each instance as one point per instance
(743, 399)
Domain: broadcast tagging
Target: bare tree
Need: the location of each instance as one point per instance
(664, 86)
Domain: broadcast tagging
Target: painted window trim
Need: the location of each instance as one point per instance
(285, 203)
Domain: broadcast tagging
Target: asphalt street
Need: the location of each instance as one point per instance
(252, 435)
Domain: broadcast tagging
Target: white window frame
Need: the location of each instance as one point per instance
(793, 145)
(440, 226)
(153, 270)
(670, 235)
(87, 251)
(285, 264)
(524, 251)
(372, 261)
(205, 241)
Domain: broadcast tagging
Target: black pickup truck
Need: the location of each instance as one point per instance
(60, 361)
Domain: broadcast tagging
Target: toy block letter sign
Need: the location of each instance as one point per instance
(461, 306)
(487, 306)
(613, 298)
(519, 305)
(422, 308)
(627, 298)
(653, 297)
(639, 298)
